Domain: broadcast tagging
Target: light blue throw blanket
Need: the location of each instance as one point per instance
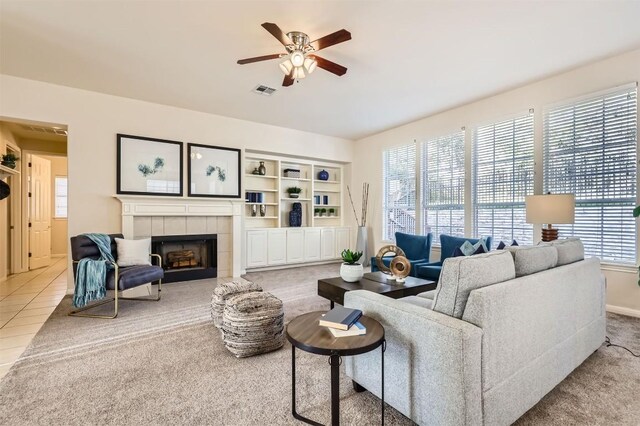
(91, 275)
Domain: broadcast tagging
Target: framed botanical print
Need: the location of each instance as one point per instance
(148, 166)
(214, 171)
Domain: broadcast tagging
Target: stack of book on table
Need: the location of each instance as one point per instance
(343, 322)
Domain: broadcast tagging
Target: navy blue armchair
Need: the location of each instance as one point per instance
(416, 247)
(448, 243)
(119, 278)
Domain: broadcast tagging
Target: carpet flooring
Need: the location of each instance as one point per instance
(164, 363)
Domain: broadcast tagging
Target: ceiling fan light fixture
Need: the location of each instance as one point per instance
(310, 64)
(298, 73)
(297, 58)
(286, 67)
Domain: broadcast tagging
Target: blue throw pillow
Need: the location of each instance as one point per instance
(514, 243)
(457, 252)
(501, 246)
(467, 248)
(480, 250)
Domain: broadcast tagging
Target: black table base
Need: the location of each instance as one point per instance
(334, 361)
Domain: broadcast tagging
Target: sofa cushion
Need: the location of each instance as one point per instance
(531, 259)
(431, 294)
(429, 271)
(461, 275)
(569, 250)
(418, 301)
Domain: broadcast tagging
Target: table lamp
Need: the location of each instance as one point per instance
(549, 209)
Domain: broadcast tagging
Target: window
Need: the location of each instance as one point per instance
(590, 151)
(442, 178)
(60, 197)
(399, 191)
(502, 177)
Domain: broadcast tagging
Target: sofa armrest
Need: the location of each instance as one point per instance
(432, 361)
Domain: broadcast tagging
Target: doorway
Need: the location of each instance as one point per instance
(33, 219)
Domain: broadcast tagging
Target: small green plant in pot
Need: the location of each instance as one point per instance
(323, 212)
(294, 191)
(316, 212)
(332, 212)
(350, 270)
(9, 160)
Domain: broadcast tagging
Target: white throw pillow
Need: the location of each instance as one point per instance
(133, 252)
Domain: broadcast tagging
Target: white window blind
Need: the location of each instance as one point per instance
(399, 191)
(60, 197)
(590, 150)
(442, 178)
(502, 177)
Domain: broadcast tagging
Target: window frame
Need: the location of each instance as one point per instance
(412, 175)
(56, 196)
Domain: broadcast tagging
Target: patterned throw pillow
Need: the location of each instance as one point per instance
(502, 245)
(468, 249)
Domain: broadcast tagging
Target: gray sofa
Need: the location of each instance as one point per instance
(500, 331)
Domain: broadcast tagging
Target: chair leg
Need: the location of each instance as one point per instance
(78, 312)
(150, 298)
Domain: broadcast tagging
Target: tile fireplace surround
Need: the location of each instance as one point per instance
(147, 216)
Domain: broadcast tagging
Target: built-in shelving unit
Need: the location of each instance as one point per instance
(282, 173)
(5, 172)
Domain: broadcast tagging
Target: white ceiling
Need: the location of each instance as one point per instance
(406, 60)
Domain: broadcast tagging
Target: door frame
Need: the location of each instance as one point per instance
(15, 259)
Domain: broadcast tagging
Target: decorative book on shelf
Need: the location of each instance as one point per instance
(340, 317)
(356, 329)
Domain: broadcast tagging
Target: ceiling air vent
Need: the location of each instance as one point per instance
(264, 90)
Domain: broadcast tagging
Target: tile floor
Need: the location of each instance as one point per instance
(26, 301)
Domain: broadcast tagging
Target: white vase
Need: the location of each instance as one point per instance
(351, 273)
(363, 245)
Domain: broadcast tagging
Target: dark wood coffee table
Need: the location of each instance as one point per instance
(305, 333)
(335, 288)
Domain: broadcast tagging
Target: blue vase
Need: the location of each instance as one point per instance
(323, 175)
(295, 215)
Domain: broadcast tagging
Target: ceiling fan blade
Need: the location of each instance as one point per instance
(259, 58)
(275, 31)
(331, 39)
(288, 79)
(330, 66)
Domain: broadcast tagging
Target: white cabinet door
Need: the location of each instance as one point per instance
(312, 245)
(277, 247)
(343, 241)
(256, 248)
(295, 245)
(328, 243)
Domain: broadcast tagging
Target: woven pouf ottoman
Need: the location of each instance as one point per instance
(226, 290)
(252, 324)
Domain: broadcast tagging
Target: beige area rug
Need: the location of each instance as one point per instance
(164, 363)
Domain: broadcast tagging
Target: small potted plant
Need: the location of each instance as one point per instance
(332, 212)
(323, 212)
(9, 160)
(294, 192)
(350, 270)
(316, 212)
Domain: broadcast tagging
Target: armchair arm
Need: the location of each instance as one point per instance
(157, 256)
(432, 362)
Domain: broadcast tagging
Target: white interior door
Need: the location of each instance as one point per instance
(39, 201)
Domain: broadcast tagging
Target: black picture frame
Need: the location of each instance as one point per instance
(134, 167)
(204, 175)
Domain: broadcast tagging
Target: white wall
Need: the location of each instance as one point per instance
(94, 119)
(623, 290)
(59, 231)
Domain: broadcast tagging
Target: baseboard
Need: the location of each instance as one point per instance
(623, 311)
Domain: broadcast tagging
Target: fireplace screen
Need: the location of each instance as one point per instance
(187, 257)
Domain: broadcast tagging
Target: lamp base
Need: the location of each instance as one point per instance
(549, 234)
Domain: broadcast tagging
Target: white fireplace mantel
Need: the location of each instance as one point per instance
(144, 205)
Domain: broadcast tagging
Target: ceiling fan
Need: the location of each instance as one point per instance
(300, 55)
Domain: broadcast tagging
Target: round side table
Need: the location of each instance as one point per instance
(304, 333)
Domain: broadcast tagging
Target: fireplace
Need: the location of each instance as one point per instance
(187, 257)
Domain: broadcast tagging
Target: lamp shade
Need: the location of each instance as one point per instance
(550, 208)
